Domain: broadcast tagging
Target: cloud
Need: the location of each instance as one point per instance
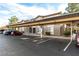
(39, 1)
(34, 10)
(62, 7)
(27, 12)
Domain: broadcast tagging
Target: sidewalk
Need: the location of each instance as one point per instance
(38, 40)
(46, 36)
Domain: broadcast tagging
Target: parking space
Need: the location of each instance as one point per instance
(24, 46)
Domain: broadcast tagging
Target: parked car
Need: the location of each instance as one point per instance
(12, 32)
(16, 33)
(7, 32)
(1, 31)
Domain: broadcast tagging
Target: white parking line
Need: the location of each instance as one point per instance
(24, 38)
(35, 40)
(42, 41)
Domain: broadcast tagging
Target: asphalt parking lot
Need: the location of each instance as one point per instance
(25, 46)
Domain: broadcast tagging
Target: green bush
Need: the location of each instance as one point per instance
(47, 33)
(67, 33)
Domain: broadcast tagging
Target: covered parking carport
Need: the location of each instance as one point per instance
(62, 19)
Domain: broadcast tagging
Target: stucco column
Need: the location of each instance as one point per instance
(70, 39)
(32, 30)
(41, 32)
(76, 27)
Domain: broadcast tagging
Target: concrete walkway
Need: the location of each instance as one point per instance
(46, 36)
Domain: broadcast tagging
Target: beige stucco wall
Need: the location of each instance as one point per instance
(26, 30)
(53, 29)
(58, 29)
(21, 29)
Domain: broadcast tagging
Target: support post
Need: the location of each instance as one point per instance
(70, 39)
(76, 27)
(41, 35)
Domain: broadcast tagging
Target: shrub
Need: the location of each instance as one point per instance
(67, 33)
(47, 33)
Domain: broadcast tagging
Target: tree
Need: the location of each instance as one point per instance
(13, 20)
(72, 7)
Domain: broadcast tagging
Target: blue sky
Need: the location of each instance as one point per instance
(26, 11)
(42, 5)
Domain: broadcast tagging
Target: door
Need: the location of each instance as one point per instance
(30, 30)
(34, 30)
